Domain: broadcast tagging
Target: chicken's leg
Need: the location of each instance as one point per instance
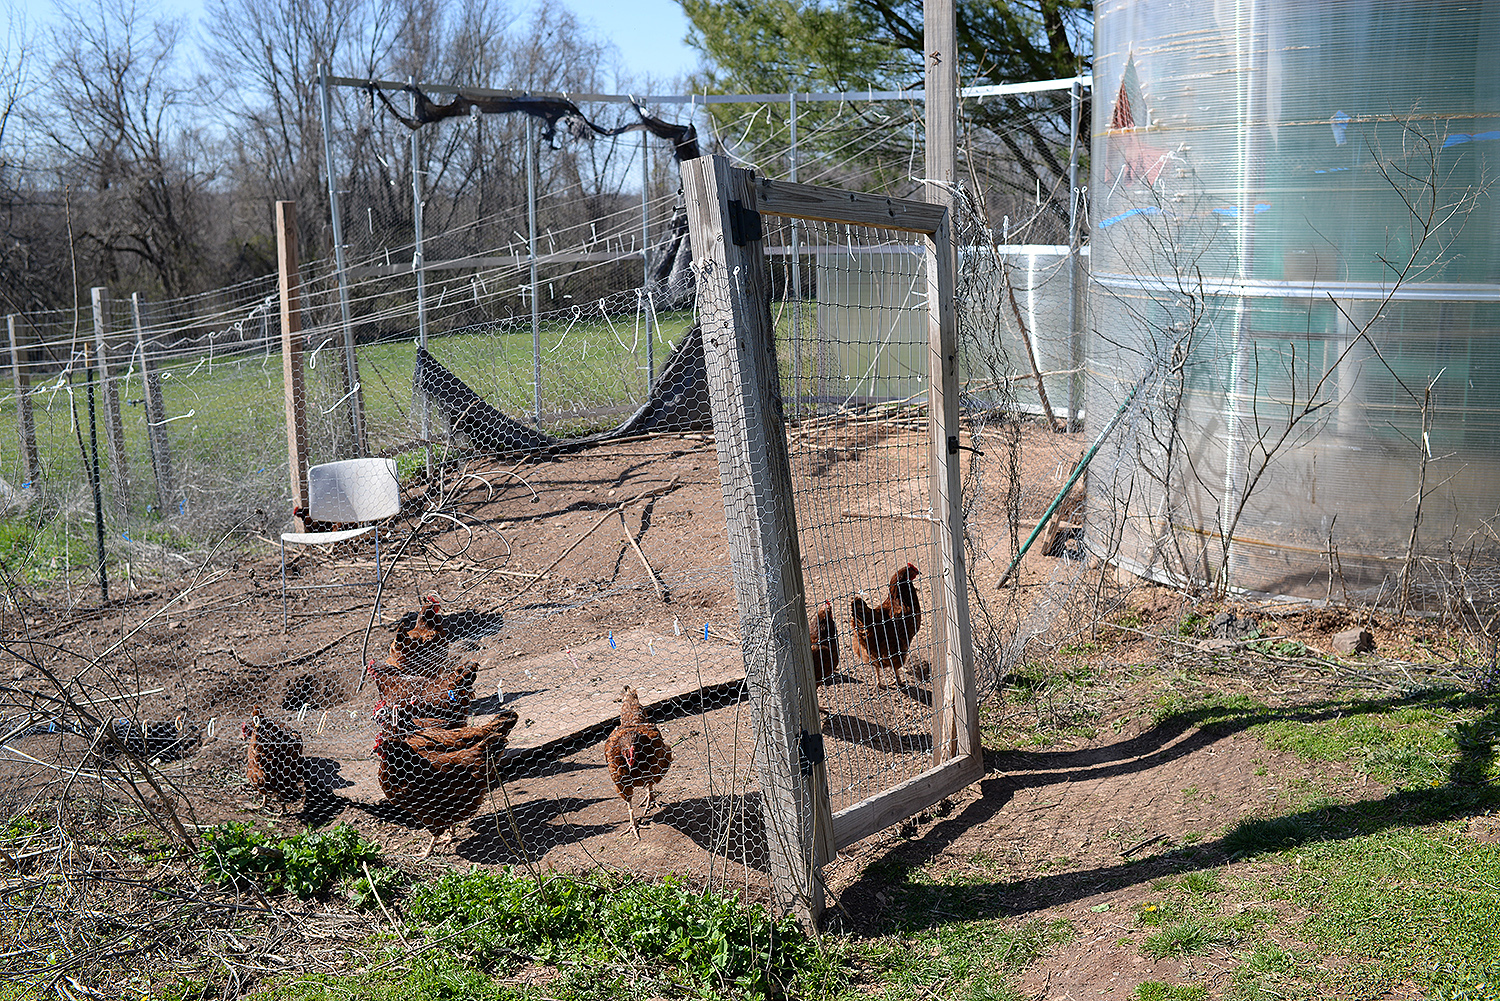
(634, 825)
(431, 844)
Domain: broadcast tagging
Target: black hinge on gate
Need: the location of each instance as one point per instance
(810, 751)
(744, 224)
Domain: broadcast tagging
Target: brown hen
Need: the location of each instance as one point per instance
(636, 754)
(823, 634)
(415, 702)
(883, 634)
(274, 762)
(438, 777)
(421, 642)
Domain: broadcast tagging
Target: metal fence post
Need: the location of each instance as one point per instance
(419, 264)
(351, 390)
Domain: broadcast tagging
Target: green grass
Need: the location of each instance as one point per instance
(974, 961)
(235, 405)
(234, 408)
(605, 936)
(1395, 886)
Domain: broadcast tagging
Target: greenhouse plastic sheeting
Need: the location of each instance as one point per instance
(1295, 244)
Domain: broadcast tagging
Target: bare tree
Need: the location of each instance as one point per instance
(17, 69)
(126, 128)
(268, 55)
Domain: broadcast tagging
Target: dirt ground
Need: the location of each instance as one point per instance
(535, 567)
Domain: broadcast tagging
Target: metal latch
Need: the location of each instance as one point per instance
(954, 446)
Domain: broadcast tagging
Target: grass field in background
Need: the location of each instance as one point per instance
(229, 412)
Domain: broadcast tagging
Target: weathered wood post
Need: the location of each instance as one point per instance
(755, 473)
(20, 358)
(114, 425)
(956, 721)
(156, 414)
(955, 725)
(290, 284)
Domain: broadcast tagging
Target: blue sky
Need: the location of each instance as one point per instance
(648, 33)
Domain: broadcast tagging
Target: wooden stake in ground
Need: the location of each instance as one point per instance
(31, 461)
(291, 351)
(156, 413)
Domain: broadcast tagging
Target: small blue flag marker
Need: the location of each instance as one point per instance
(612, 639)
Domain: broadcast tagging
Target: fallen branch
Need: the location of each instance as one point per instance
(617, 509)
(661, 592)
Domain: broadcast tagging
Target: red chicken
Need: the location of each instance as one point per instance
(274, 761)
(444, 700)
(882, 635)
(823, 634)
(440, 777)
(637, 755)
(421, 642)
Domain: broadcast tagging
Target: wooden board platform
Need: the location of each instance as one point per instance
(566, 700)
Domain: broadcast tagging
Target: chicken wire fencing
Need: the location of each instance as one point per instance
(543, 298)
(575, 548)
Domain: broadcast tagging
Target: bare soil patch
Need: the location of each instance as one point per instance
(566, 612)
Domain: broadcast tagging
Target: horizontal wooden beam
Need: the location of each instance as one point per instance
(876, 813)
(808, 201)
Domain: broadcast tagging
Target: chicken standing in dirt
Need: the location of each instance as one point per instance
(274, 763)
(637, 755)
(823, 635)
(416, 702)
(439, 777)
(421, 642)
(883, 634)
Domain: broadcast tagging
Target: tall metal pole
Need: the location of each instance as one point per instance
(646, 259)
(1075, 262)
(351, 363)
(536, 307)
(418, 266)
(94, 479)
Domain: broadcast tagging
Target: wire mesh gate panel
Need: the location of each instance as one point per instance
(879, 746)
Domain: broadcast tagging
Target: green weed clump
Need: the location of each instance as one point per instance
(306, 863)
(620, 929)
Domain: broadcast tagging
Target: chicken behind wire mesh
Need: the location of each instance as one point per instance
(637, 755)
(883, 634)
(440, 777)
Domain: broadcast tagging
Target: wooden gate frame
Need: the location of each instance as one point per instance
(724, 206)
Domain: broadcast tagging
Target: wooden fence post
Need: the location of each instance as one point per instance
(755, 472)
(114, 425)
(956, 722)
(31, 461)
(291, 351)
(156, 414)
